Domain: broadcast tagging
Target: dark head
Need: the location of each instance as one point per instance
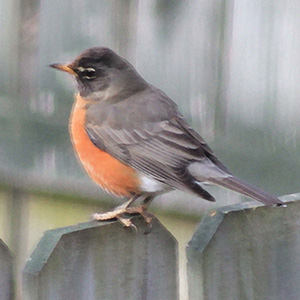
(101, 74)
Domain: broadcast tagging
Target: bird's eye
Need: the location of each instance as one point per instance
(88, 73)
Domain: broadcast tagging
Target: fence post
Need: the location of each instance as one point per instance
(6, 273)
(97, 261)
(247, 251)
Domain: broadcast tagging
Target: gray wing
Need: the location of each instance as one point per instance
(148, 133)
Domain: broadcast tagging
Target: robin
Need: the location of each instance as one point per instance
(134, 143)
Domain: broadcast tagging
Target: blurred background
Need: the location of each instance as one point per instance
(233, 68)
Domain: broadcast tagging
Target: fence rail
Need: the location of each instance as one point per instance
(246, 251)
(93, 261)
(6, 273)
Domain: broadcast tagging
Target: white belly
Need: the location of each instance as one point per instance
(150, 185)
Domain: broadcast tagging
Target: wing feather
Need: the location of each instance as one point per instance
(158, 143)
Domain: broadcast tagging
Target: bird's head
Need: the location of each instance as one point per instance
(101, 74)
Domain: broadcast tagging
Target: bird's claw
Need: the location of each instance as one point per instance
(124, 216)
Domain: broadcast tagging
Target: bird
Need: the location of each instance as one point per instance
(133, 141)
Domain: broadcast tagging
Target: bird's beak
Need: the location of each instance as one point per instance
(63, 67)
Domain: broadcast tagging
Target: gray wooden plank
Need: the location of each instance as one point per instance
(247, 251)
(103, 261)
(6, 273)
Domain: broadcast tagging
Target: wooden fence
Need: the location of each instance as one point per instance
(6, 273)
(246, 251)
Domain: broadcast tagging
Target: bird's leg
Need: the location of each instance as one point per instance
(122, 211)
(142, 209)
(146, 203)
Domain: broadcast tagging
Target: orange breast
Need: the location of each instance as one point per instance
(112, 175)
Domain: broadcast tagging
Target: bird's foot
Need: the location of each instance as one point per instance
(124, 215)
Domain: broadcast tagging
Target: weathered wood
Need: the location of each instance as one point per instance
(247, 251)
(95, 261)
(6, 273)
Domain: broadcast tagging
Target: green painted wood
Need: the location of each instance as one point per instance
(97, 261)
(247, 251)
(6, 273)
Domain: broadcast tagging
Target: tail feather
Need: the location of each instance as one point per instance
(242, 187)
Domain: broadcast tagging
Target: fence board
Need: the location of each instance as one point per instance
(247, 251)
(103, 261)
(6, 274)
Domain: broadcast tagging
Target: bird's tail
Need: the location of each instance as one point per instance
(242, 187)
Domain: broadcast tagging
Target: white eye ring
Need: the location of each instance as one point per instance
(87, 73)
(90, 70)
